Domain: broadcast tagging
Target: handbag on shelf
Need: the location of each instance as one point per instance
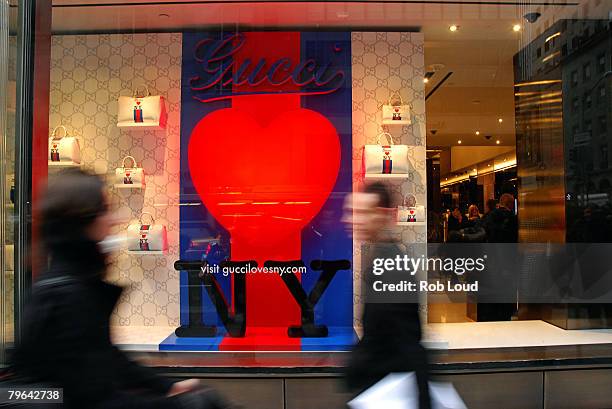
(129, 177)
(63, 149)
(143, 236)
(409, 211)
(385, 159)
(142, 110)
(396, 113)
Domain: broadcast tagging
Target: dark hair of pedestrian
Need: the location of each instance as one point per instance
(380, 189)
(72, 201)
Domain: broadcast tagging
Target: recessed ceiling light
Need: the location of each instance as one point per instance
(497, 141)
(163, 15)
(453, 27)
(477, 133)
(516, 27)
(459, 141)
(500, 120)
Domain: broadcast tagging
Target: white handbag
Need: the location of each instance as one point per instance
(385, 159)
(129, 177)
(396, 113)
(147, 237)
(409, 211)
(63, 149)
(142, 110)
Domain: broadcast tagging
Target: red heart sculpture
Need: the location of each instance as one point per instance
(264, 183)
(137, 102)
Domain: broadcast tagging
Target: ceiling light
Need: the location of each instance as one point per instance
(477, 133)
(500, 120)
(453, 27)
(497, 141)
(474, 169)
(516, 28)
(425, 80)
(459, 141)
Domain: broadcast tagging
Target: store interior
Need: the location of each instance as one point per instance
(475, 141)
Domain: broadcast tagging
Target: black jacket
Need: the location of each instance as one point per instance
(66, 339)
(391, 339)
(502, 226)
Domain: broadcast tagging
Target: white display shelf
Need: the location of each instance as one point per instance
(141, 126)
(397, 123)
(395, 176)
(412, 223)
(148, 253)
(134, 186)
(64, 164)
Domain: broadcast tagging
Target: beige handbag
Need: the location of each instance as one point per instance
(396, 112)
(147, 237)
(142, 110)
(129, 177)
(63, 150)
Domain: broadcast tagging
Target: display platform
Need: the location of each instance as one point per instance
(264, 339)
(453, 336)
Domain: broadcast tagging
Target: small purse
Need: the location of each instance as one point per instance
(409, 211)
(129, 177)
(385, 159)
(63, 149)
(396, 113)
(147, 237)
(142, 110)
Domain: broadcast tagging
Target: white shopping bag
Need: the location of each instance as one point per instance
(400, 391)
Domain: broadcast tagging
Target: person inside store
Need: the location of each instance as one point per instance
(391, 341)
(66, 340)
(473, 216)
(501, 226)
(490, 205)
(456, 220)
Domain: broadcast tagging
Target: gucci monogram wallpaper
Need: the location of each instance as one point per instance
(89, 73)
(384, 63)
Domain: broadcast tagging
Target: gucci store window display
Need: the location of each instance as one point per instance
(228, 151)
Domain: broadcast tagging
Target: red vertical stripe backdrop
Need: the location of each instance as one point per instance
(270, 307)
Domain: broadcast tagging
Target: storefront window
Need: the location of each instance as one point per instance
(230, 137)
(8, 109)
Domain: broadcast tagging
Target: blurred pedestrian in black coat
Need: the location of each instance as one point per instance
(66, 338)
(391, 339)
